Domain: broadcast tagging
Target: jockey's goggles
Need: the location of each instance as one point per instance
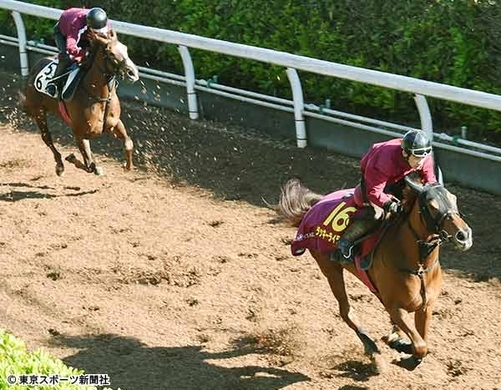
(421, 152)
(102, 31)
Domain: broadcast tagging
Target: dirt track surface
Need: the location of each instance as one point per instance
(175, 276)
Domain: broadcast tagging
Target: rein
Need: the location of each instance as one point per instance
(426, 247)
(112, 84)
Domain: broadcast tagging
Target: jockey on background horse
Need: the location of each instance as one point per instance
(383, 168)
(71, 38)
(89, 104)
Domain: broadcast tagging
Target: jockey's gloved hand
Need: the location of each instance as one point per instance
(393, 206)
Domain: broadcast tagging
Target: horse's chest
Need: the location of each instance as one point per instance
(101, 118)
(413, 291)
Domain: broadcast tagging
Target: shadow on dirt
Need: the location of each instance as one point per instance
(355, 370)
(132, 365)
(37, 192)
(348, 387)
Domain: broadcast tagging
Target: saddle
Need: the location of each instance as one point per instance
(362, 249)
(323, 225)
(71, 79)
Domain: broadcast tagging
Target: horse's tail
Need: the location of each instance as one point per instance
(296, 200)
(21, 102)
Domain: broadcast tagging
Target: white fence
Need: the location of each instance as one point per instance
(419, 88)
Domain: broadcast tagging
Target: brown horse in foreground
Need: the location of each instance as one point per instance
(405, 271)
(94, 108)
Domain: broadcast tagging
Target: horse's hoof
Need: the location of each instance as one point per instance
(98, 171)
(409, 363)
(127, 167)
(59, 170)
(401, 345)
(71, 158)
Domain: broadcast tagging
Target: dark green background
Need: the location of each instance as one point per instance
(455, 42)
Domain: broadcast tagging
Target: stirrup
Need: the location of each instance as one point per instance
(52, 89)
(350, 253)
(345, 251)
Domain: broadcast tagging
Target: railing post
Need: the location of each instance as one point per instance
(427, 126)
(190, 81)
(297, 96)
(424, 115)
(21, 35)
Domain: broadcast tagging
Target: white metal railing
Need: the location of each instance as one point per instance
(292, 62)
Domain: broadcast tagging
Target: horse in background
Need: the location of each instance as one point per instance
(93, 108)
(405, 271)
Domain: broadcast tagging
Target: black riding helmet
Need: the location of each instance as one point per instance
(417, 143)
(97, 18)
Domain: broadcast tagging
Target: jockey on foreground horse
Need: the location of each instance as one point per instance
(71, 34)
(383, 167)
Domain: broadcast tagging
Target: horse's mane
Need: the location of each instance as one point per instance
(408, 195)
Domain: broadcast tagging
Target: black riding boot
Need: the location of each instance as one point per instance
(356, 230)
(62, 67)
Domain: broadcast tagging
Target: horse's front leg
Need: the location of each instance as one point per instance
(89, 162)
(423, 320)
(119, 131)
(395, 339)
(333, 271)
(41, 120)
(403, 320)
(422, 317)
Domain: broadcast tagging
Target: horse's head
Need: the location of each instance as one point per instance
(115, 60)
(439, 213)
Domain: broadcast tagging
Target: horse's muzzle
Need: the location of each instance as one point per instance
(463, 239)
(131, 72)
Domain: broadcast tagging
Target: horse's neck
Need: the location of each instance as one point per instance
(417, 240)
(416, 223)
(97, 79)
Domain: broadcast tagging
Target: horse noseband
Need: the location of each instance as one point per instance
(434, 224)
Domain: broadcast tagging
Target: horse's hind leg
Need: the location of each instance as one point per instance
(120, 132)
(334, 273)
(41, 120)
